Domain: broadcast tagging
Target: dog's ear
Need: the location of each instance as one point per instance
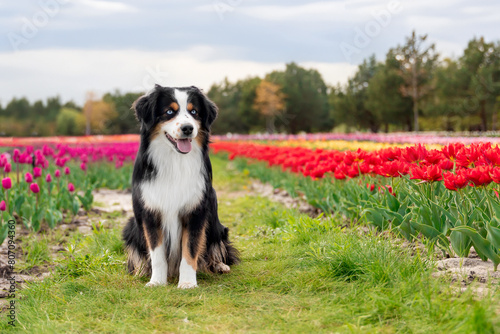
(210, 109)
(144, 108)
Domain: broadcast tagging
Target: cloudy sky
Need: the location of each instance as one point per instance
(69, 47)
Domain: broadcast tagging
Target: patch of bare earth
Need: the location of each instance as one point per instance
(471, 272)
(283, 197)
(107, 201)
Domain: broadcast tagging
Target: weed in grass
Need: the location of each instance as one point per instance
(35, 252)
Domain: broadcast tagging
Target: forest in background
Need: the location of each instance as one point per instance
(412, 89)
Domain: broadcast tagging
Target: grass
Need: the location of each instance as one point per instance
(298, 274)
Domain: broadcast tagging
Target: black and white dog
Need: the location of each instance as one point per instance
(176, 228)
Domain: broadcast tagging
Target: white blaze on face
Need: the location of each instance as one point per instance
(174, 127)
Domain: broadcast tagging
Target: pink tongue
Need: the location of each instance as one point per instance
(184, 145)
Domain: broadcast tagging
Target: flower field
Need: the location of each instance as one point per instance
(49, 179)
(327, 274)
(446, 193)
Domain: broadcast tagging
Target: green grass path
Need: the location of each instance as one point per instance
(298, 275)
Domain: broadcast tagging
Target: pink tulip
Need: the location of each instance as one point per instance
(34, 188)
(28, 177)
(66, 170)
(16, 155)
(37, 172)
(3, 206)
(71, 187)
(83, 166)
(57, 173)
(7, 168)
(7, 183)
(48, 178)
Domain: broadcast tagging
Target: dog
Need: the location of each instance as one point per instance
(175, 230)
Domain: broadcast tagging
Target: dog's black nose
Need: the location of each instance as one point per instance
(187, 129)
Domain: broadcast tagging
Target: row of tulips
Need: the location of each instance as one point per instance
(42, 184)
(447, 195)
(391, 138)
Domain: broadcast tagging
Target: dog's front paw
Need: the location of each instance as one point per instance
(154, 283)
(222, 268)
(187, 285)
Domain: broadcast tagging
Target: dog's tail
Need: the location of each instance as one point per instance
(135, 245)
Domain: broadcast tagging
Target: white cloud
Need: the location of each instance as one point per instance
(71, 73)
(105, 7)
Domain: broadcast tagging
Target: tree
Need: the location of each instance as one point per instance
(124, 121)
(306, 99)
(98, 115)
(349, 105)
(18, 109)
(235, 101)
(70, 122)
(383, 96)
(269, 101)
(481, 64)
(416, 62)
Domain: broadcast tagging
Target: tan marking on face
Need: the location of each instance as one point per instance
(190, 106)
(174, 106)
(200, 138)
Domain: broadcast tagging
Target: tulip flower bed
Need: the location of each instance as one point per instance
(448, 195)
(41, 184)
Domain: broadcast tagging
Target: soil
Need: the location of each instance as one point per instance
(283, 197)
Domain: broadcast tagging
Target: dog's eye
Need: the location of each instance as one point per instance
(170, 112)
(193, 112)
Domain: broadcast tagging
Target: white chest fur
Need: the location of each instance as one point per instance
(178, 187)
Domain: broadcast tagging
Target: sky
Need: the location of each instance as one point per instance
(68, 48)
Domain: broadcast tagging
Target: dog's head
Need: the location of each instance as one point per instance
(177, 115)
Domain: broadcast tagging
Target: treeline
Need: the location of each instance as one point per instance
(411, 89)
(110, 114)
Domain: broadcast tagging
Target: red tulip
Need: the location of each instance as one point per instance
(7, 168)
(83, 166)
(28, 178)
(57, 173)
(48, 178)
(71, 187)
(480, 175)
(3, 206)
(455, 181)
(66, 170)
(433, 173)
(34, 188)
(495, 174)
(7, 183)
